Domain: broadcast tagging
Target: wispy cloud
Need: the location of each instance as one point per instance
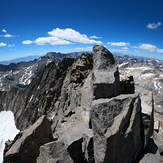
(134, 47)
(142, 46)
(95, 37)
(125, 48)
(118, 43)
(83, 49)
(2, 44)
(118, 50)
(160, 50)
(3, 30)
(11, 45)
(7, 35)
(136, 51)
(27, 42)
(153, 25)
(63, 37)
(148, 47)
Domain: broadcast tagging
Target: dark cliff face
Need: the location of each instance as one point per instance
(20, 74)
(34, 101)
(40, 96)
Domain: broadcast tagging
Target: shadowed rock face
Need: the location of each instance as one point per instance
(34, 101)
(92, 120)
(116, 124)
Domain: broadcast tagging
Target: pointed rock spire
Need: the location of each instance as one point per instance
(103, 58)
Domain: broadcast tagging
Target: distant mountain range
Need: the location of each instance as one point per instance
(148, 73)
(61, 55)
(129, 56)
(24, 59)
(33, 57)
(21, 71)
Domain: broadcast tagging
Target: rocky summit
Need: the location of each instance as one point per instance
(83, 110)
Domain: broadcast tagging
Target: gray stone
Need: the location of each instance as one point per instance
(102, 57)
(126, 83)
(156, 125)
(106, 83)
(75, 127)
(152, 154)
(87, 93)
(26, 148)
(87, 147)
(54, 152)
(158, 141)
(72, 131)
(147, 105)
(116, 124)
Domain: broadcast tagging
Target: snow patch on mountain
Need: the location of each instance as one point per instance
(146, 75)
(120, 65)
(130, 69)
(157, 84)
(25, 79)
(8, 130)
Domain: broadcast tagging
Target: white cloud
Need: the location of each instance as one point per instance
(160, 50)
(51, 40)
(2, 44)
(125, 48)
(136, 51)
(134, 47)
(83, 49)
(27, 42)
(11, 45)
(7, 35)
(63, 37)
(11, 49)
(95, 37)
(148, 47)
(118, 50)
(119, 43)
(72, 35)
(3, 30)
(153, 25)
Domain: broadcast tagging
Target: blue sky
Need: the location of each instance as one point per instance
(35, 27)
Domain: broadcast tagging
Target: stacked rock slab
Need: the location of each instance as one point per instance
(147, 115)
(109, 133)
(106, 81)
